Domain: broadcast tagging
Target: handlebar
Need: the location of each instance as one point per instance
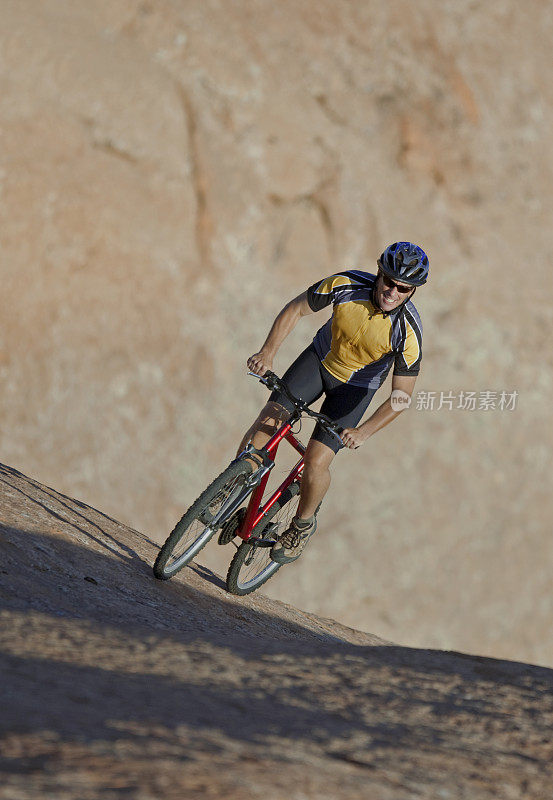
(272, 381)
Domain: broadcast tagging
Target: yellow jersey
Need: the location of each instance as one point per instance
(360, 342)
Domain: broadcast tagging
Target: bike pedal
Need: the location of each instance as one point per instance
(268, 537)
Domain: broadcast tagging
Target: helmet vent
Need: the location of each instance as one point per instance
(406, 262)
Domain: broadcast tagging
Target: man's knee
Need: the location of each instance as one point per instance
(272, 415)
(318, 456)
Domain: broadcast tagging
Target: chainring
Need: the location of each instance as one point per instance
(228, 531)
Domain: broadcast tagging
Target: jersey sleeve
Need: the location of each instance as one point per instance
(409, 356)
(330, 290)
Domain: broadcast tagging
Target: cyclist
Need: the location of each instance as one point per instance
(374, 325)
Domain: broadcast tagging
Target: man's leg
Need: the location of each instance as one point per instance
(303, 379)
(271, 417)
(314, 485)
(315, 478)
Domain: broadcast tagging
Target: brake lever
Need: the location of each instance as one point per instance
(337, 435)
(267, 379)
(339, 430)
(256, 375)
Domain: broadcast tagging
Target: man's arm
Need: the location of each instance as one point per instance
(284, 324)
(402, 389)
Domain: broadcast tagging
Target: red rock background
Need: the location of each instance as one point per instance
(171, 173)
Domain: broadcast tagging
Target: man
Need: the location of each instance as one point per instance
(374, 325)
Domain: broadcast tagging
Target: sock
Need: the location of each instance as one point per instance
(304, 523)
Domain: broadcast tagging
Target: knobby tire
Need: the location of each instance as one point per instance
(191, 534)
(244, 578)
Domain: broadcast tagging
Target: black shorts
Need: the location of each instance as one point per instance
(308, 379)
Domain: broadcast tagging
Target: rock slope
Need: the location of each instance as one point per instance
(116, 685)
(172, 172)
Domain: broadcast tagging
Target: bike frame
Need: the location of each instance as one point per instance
(255, 512)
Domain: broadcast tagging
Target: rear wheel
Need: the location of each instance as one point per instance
(252, 566)
(202, 519)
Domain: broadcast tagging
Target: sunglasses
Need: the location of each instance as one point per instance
(389, 283)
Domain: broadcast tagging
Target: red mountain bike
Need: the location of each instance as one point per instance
(222, 507)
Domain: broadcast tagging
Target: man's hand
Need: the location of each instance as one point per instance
(352, 438)
(260, 363)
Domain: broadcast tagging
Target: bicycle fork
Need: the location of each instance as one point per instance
(234, 502)
(266, 457)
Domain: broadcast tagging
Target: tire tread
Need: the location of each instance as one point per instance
(234, 469)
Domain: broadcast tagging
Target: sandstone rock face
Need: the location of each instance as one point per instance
(115, 684)
(171, 173)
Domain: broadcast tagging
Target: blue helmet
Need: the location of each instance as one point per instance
(406, 262)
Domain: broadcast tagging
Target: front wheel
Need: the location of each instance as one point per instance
(202, 519)
(252, 566)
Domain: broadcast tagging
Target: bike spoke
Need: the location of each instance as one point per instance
(259, 569)
(252, 565)
(201, 521)
(199, 532)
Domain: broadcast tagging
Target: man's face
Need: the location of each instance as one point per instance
(391, 293)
